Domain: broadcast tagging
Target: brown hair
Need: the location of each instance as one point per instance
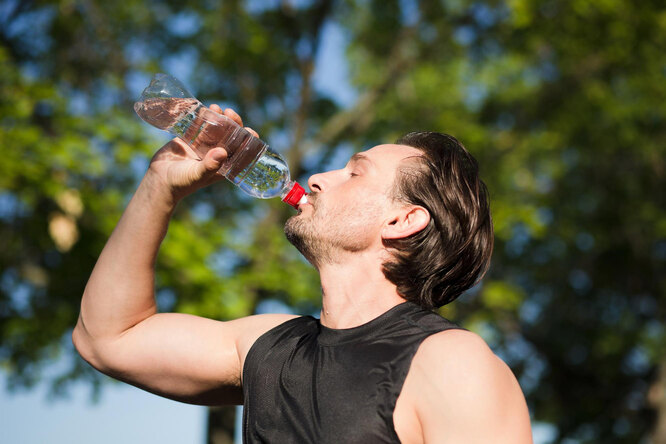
(452, 253)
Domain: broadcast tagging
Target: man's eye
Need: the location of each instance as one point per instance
(352, 174)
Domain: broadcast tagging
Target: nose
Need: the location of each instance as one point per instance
(316, 182)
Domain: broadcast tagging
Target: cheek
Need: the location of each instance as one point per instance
(363, 214)
(348, 211)
(351, 207)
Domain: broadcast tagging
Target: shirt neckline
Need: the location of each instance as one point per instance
(334, 336)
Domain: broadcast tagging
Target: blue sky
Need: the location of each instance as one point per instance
(124, 415)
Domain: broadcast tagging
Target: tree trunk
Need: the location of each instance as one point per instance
(221, 425)
(657, 400)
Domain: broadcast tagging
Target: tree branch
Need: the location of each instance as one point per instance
(354, 121)
(306, 68)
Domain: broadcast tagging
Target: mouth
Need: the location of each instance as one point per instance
(302, 206)
(308, 202)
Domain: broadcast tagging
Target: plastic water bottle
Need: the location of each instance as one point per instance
(251, 164)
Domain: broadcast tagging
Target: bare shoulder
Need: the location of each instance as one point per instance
(457, 350)
(461, 363)
(458, 383)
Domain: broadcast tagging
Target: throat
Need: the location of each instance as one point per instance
(354, 297)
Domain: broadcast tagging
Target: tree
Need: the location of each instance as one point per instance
(561, 101)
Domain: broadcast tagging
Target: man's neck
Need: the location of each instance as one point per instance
(354, 292)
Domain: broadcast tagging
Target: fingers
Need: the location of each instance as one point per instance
(233, 115)
(230, 113)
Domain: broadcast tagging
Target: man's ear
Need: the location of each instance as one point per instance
(405, 222)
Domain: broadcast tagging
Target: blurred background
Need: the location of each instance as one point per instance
(563, 102)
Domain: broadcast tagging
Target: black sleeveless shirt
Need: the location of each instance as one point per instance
(306, 383)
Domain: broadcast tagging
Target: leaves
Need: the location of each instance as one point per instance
(562, 102)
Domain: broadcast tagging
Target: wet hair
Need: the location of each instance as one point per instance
(452, 253)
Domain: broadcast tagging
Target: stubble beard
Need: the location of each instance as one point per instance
(326, 237)
(300, 233)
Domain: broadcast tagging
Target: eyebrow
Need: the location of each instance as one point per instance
(359, 157)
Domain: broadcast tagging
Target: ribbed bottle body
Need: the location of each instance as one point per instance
(250, 164)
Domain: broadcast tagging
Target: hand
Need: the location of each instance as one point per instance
(176, 168)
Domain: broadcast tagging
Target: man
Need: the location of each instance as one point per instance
(402, 228)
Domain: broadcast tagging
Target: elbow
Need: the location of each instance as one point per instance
(86, 346)
(78, 339)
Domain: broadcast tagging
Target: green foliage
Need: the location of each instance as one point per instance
(563, 102)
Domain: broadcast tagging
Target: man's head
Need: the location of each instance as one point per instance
(419, 202)
(452, 253)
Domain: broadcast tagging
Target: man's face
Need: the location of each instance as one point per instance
(347, 208)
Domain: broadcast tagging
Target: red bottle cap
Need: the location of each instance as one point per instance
(294, 195)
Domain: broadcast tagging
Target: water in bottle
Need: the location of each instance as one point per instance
(251, 164)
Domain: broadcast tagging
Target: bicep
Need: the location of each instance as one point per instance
(184, 357)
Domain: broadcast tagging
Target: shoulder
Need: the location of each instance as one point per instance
(251, 328)
(454, 349)
(461, 363)
(457, 381)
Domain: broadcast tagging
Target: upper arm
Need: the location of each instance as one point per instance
(464, 393)
(179, 356)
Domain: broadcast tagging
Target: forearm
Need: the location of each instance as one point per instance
(120, 291)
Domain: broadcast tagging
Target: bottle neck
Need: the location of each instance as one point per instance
(293, 194)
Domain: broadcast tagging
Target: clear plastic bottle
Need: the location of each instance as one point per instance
(251, 164)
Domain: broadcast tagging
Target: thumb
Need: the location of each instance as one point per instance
(213, 160)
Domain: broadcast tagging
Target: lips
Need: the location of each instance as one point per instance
(310, 202)
(311, 198)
